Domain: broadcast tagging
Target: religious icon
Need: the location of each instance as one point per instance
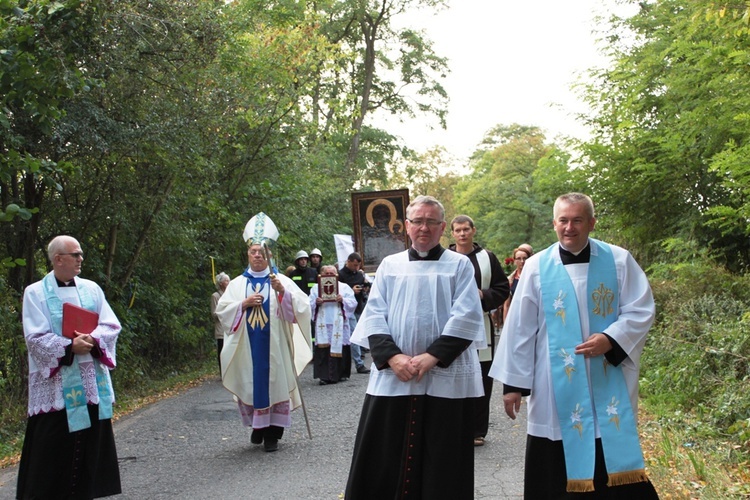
(328, 288)
(379, 225)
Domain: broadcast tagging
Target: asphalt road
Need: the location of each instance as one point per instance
(193, 446)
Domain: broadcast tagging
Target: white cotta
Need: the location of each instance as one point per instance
(415, 302)
(522, 358)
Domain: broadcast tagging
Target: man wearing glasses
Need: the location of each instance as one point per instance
(423, 324)
(69, 447)
(261, 313)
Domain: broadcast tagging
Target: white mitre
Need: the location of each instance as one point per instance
(260, 229)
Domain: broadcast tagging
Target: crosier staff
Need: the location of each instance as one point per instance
(288, 334)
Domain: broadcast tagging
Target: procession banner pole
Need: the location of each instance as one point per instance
(290, 341)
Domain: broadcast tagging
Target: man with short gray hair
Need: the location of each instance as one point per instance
(423, 325)
(572, 342)
(69, 449)
(332, 357)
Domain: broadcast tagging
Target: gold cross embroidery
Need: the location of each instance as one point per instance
(603, 298)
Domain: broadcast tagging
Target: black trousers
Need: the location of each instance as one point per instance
(219, 347)
(482, 410)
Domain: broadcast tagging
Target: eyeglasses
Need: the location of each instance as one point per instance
(76, 255)
(425, 222)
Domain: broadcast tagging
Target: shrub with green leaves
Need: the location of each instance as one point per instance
(697, 358)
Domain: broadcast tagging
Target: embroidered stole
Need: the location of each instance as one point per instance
(74, 394)
(259, 335)
(575, 410)
(331, 336)
(485, 272)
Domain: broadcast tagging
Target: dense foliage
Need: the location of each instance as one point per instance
(670, 121)
(668, 167)
(699, 349)
(152, 131)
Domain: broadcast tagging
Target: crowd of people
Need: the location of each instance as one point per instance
(574, 321)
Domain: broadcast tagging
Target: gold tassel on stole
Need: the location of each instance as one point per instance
(627, 477)
(580, 485)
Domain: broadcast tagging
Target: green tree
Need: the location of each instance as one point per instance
(395, 70)
(38, 71)
(670, 115)
(501, 194)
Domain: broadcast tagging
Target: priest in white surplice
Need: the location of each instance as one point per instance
(261, 314)
(572, 340)
(423, 325)
(69, 448)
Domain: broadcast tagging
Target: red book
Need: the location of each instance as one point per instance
(77, 319)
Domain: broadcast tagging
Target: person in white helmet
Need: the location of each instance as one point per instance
(316, 259)
(305, 276)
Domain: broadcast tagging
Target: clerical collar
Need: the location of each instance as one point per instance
(62, 283)
(433, 254)
(583, 256)
(258, 274)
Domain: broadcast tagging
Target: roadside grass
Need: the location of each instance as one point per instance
(127, 401)
(684, 462)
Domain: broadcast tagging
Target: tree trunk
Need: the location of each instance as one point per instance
(111, 252)
(370, 27)
(145, 230)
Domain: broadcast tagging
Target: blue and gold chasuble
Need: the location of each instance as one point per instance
(575, 409)
(259, 336)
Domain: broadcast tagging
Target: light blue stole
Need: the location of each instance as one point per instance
(575, 410)
(74, 394)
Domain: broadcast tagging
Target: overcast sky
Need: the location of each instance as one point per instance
(511, 62)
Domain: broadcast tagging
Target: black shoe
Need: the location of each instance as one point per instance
(270, 444)
(256, 437)
(325, 382)
(363, 369)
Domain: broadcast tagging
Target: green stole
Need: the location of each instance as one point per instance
(575, 410)
(73, 392)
